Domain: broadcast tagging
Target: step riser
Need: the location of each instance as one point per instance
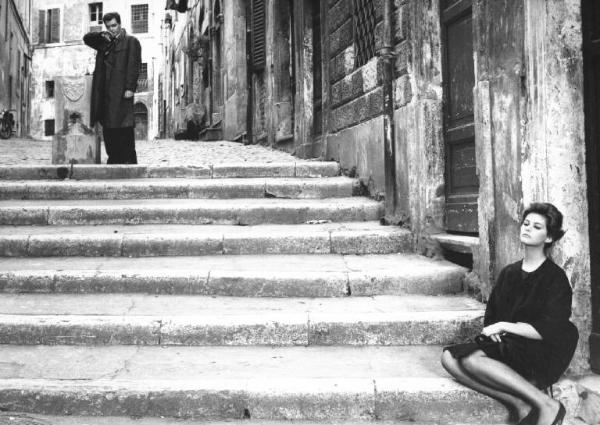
(338, 284)
(457, 407)
(297, 331)
(193, 215)
(117, 245)
(316, 189)
(83, 172)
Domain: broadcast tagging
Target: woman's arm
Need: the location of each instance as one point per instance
(522, 329)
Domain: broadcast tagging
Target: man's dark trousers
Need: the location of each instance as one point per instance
(120, 145)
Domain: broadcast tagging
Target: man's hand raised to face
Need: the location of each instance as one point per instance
(128, 94)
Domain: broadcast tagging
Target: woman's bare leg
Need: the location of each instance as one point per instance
(455, 369)
(481, 366)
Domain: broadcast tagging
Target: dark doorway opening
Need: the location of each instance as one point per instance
(462, 185)
(591, 60)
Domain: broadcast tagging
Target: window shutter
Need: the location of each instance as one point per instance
(42, 27)
(55, 26)
(258, 35)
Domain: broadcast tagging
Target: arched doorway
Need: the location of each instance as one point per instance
(140, 113)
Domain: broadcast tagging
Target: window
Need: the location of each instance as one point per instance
(48, 127)
(49, 26)
(50, 89)
(258, 41)
(364, 21)
(139, 18)
(142, 84)
(95, 16)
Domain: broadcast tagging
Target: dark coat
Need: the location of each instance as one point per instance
(541, 298)
(117, 69)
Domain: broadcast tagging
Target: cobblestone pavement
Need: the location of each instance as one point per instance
(166, 152)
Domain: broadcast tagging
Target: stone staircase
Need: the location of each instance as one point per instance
(224, 293)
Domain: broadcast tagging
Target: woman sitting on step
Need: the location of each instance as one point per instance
(527, 341)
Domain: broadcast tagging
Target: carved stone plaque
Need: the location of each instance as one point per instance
(73, 88)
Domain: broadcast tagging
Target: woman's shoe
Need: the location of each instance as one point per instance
(529, 419)
(560, 416)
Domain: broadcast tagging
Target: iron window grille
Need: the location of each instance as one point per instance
(364, 21)
(139, 18)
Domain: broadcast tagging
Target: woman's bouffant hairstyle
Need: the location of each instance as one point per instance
(110, 16)
(554, 219)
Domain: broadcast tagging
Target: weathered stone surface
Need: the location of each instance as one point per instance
(225, 383)
(171, 188)
(276, 283)
(253, 170)
(23, 216)
(382, 330)
(291, 330)
(77, 330)
(339, 12)
(97, 245)
(341, 38)
(256, 276)
(357, 111)
(317, 169)
(384, 241)
(429, 401)
(101, 319)
(177, 244)
(318, 243)
(283, 188)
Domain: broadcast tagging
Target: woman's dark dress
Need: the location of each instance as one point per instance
(541, 298)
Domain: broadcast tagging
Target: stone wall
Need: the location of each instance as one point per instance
(355, 98)
(13, 64)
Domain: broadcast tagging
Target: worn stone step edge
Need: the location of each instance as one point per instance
(186, 211)
(295, 188)
(14, 417)
(260, 328)
(236, 170)
(416, 400)
(300, 239)
(243, 283)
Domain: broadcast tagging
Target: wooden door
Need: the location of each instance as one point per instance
(462, 185)
(591, 60)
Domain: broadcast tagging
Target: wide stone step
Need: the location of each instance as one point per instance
(399, 384)
(242, 276)
(20, 418)
(188, 211)
(216, 171)
(326, 187)
(134, 319)
(185, 240)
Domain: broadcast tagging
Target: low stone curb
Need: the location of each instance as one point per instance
(209, 211)
(239, 170)
(302, 239)
(303, 188)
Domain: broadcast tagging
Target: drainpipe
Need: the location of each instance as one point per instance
(249, 72)
(389, 162)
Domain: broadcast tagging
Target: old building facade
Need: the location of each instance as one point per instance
(63, 65)
(478, 117)
(15, 61)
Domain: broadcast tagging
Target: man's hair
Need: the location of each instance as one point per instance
(554, 219)
(110, 16)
